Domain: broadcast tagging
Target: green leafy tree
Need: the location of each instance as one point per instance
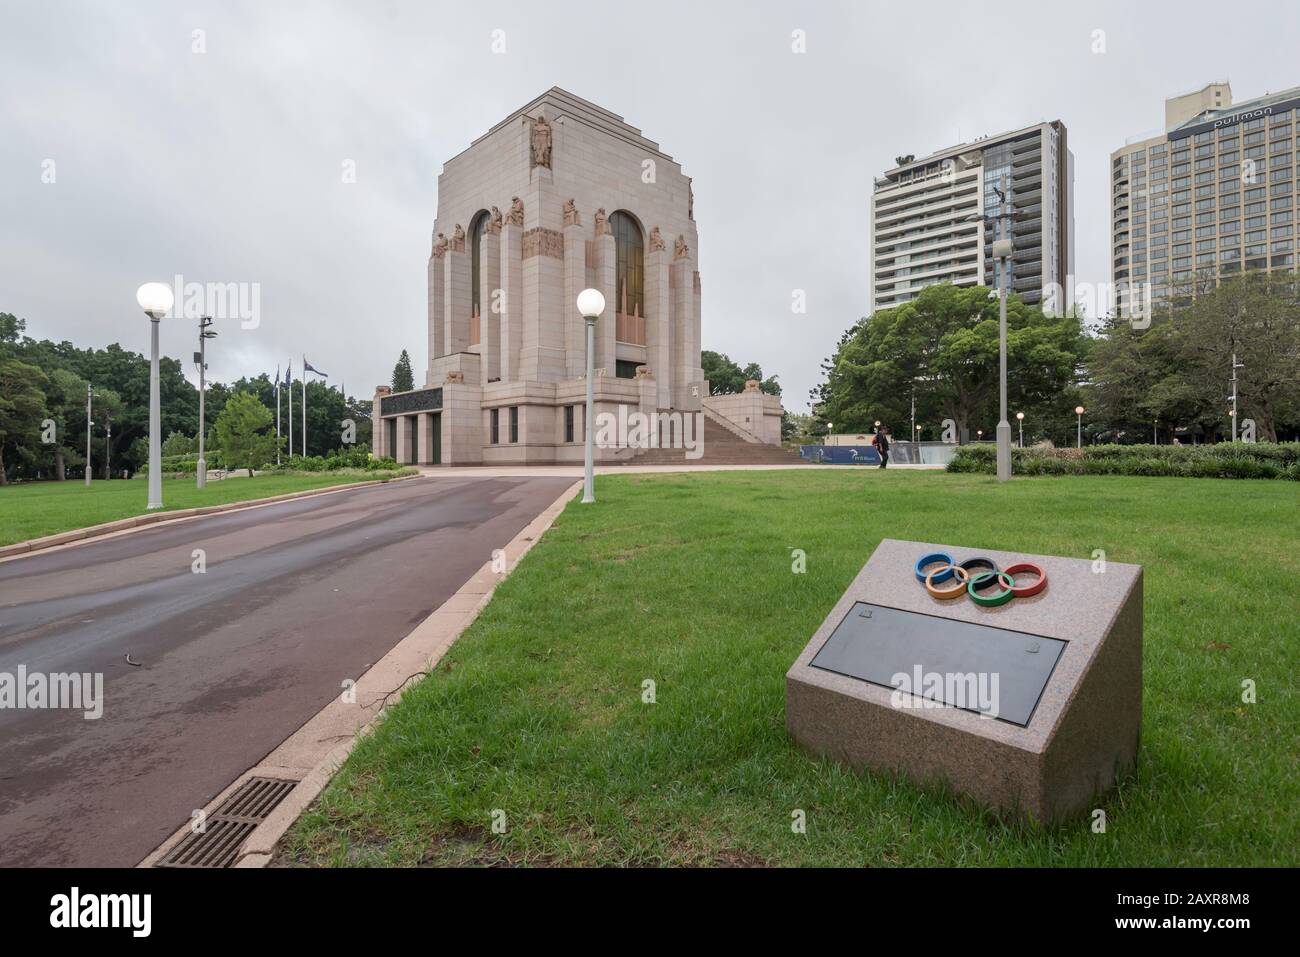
(22, 411)
(245, 433)
(65, 399)
(942, 349)
(403, 377)
(1256, 317)
(726, 377)
(178, 443)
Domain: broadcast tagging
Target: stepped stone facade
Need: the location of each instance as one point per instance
(560, 196)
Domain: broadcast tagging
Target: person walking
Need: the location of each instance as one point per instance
(882, 445)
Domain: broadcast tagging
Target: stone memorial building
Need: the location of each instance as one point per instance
(559, 196)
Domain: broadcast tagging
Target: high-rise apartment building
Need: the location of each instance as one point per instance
(921, 228)
(1212, 195)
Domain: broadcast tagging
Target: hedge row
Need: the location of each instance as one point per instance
(342, 459)
(1246, 460)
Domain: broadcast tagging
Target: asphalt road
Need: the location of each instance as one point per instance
(296, 597)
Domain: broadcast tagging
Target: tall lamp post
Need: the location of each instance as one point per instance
(200, 357)
(1078, 425)
(90, 395)
(591, 304)
(1002, 250)
(156, 300)
(1020, 420)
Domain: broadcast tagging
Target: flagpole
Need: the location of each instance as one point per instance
(304, 406)
(277, 415)
(289, 375)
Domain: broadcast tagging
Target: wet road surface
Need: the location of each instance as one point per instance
(295, 598)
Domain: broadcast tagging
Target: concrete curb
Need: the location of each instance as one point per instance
(157, 518)
(313, 753)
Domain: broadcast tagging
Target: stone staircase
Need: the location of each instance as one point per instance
(722, 446)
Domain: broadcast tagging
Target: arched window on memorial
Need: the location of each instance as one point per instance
(476, 228)
(629, 257)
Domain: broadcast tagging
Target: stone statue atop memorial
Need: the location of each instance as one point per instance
(656, 240)
(494, 221)
(542, 143)
(602, 227)
(516, 216)
(458, 239)
(571, 213)
(439, 244)
(680, 249)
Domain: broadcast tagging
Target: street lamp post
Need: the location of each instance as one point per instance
(1020, 420)
(1233, 415)
(1002, 250)
(156, 300)
(591, 304)
(90, 394)
(201, 469)
(1078, 425)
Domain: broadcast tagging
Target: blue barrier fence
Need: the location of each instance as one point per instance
(840, 454)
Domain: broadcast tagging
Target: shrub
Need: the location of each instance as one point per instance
(1254, 460)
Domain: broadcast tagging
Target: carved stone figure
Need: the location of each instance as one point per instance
(680, 249)
(540, 241)
(602, 227)
(542, 142)
(516, 215)
(494, 221)
(455, 376)
(458, 239)
(656, 240)
(571, 213)
(439, 245)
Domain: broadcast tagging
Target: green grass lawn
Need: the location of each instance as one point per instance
(686, 579)
(33, 509)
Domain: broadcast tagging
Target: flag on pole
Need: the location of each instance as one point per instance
(277, 415)
(308, 367)
(288, 382)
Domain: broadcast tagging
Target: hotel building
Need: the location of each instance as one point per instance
(1212, 195)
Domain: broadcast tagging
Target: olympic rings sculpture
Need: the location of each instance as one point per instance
(978, 578)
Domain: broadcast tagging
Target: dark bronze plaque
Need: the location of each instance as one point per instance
(977, 667)
(404, 403)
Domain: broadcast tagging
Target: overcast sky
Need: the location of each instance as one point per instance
(225, 165)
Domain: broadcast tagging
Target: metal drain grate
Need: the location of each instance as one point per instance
(229, 825)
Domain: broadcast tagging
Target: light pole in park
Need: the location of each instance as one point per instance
(1020, 420)
(1078, 425)
(90, 395)
(1233, 414)
(156, 300)
(591, 304)
(200, 357)
(1002, 250)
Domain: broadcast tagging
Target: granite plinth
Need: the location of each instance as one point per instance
(1082, 733)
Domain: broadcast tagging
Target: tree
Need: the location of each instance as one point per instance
(1256, 317)
(22, 410)
(942, 349)
(65, 400)
(726, 377)
(403, 377)
(178, 443)
(244, 432)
